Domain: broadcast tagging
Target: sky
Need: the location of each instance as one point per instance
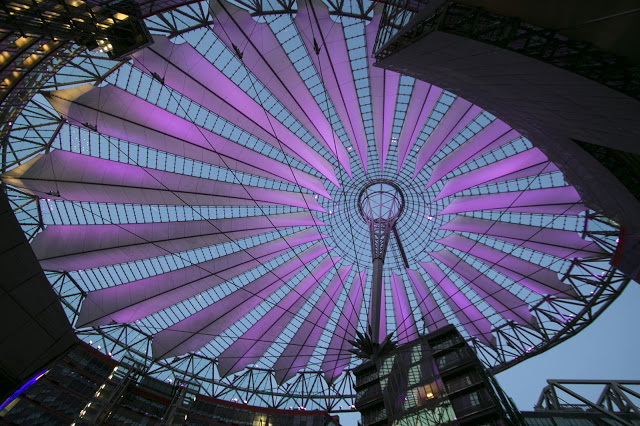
(609, 348)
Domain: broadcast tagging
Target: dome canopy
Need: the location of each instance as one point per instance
(203, 200)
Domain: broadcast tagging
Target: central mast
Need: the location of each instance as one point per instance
(380, 204)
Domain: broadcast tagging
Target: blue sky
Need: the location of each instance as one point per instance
(606, 349)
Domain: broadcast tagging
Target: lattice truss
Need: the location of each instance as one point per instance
(196, 206)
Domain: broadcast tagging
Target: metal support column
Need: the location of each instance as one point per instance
(380, 204)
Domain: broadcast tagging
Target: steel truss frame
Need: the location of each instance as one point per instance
(517, 36)
(336, 7)
(615, 398)
(34, 127)
(559, 319)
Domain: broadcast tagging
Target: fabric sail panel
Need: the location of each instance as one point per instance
(559, 200)
(75, 247)
(473, 321)
(431, 312)
(383, 87)
(494, 135)
(119, 114)
(80, 177)
(264, 56)
(405, 321)
(556, 242)
(300, 348)
(250, 347)
(497, 170)
(536, 278)
(185, 70)
(136, 299)
(457, 117)
(198, 329)
(508, 305)
(334, 67)
(338, 356)
(423, 100)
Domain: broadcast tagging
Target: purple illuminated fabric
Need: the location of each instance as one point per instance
(494, 171)
(185, 70)
(431, 313)
(334, 68)
(383, 86)
(249, 348)
(556, 242)
(262, 53)
(122, 115)
(76, 247)
(391, 83)
(300, 348)
(536, 278)
(198, 329)
(508, 305)
(469, 316)
(83, 178)
(405, 321)
(457, 117)
(560, 200)
(338, 356)
(496, 134)
(136, 299)
(529, 171)
(423, 99)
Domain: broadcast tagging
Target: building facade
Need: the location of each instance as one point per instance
(86, 387)
(436, 379)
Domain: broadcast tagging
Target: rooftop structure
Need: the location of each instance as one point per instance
(196, 207)
(86, 387)
(587, 402)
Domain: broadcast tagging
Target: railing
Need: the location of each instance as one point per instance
(468, 410)
(463, 383)
(368, 395)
